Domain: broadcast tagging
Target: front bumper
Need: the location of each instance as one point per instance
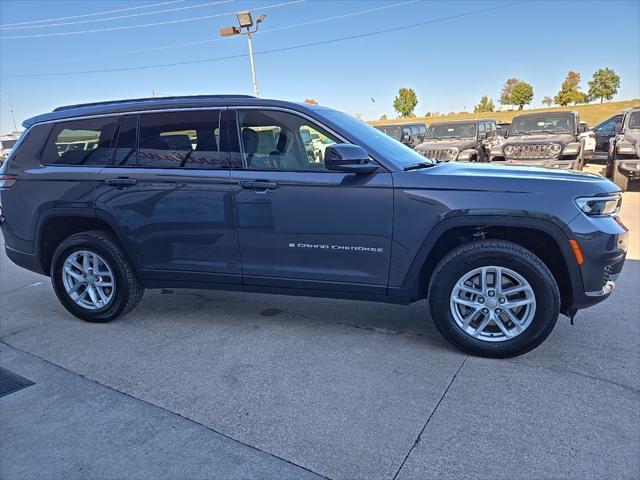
(630, 165)
(603, 243)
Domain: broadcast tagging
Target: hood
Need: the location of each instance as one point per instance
(506, 178)
(434, 144)
(562, 138)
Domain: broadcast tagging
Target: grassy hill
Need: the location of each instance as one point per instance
(592, 113)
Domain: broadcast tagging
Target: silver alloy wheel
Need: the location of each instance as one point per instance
(88, 279)
(493, 304)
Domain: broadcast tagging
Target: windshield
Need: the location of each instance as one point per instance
(450, 130)
(543, 124)
(373, 139)
(394, 131)
(634, 120)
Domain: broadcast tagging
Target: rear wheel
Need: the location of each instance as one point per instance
(93, 277)
(494, 298)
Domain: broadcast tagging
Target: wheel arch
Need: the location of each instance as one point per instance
(544, 238)
(57, 224)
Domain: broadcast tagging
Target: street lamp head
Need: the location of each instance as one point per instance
(229, 31)
(244, 19)
(261, 18)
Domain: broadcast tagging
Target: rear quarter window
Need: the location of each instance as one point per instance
(84, 142)
(26, 152)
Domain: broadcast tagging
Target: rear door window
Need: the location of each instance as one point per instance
(188, 139)
(80, 142)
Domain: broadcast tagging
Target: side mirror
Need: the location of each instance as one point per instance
(343, 157)
(582, 128)
(406, 137)
(617, 127)
(482, 135)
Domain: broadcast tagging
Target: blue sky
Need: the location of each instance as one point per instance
(450, 62)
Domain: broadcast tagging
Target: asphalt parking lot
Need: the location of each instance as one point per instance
(199, 384)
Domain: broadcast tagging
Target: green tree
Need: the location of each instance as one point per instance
(570, 90)
(604, 84)
(522, 94)
(485, 105)
(507, 89)
(548, 101)
(405, 102)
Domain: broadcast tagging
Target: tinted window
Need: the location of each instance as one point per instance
(125, 154)
(481, 128)
(608, 125)
(450, 130)
(80, 142)
(181, 140)
(274, 140)
(634, 120)
(394, 131)
(543, 123)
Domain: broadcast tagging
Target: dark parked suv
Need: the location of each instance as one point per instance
(462, 140)
(411, 134)
(224, 192)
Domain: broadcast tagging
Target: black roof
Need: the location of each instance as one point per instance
(158, 103)
(551, 113)
(469, 120)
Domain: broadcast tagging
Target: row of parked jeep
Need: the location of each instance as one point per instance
(555, 139)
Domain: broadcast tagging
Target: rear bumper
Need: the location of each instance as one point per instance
(29, 261)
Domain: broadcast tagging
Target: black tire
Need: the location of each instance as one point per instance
(619, 178)
(128, 291)
(498, 253)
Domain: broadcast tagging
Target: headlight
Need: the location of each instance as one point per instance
(509, 149)
(555, 148)
(608, 205)
(570, 149)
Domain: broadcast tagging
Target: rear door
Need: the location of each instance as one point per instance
(300, 224)
(169, 191)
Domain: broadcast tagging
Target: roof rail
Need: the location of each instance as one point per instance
(147, 99)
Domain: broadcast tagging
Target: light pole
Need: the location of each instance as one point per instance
(245, 22)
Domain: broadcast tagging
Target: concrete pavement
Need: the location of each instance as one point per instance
(261, 386)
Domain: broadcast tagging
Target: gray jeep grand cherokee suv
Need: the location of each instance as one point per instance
(224, 192)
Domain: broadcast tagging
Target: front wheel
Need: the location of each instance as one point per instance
(93, 278)
(493, 298)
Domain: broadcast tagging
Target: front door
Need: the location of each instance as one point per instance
(298, 222)
(169, 190)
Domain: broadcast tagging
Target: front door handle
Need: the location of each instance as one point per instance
(121, 182)
(258, 185)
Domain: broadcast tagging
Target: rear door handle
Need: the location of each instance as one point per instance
(258, 185)
(121, 182)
